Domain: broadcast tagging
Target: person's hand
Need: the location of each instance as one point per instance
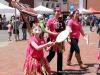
(55, 34)
(85, 36)
(51, 43)
(69, 41)
(48, 48)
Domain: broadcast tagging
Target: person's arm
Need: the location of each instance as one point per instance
(41, 46)
(70, 30)
(27, 23)
(48, 48)
(47, 29)
(49, 32)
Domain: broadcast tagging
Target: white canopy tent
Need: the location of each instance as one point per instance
(4, 2)
(6, 9)
(43, 10)
(85, 11)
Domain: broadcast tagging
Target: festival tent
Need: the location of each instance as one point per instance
(85, 11)
(8, 11)
(43, 10)
(4, 9)
(94, 11)
(4, 2)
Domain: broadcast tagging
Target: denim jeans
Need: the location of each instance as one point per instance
(90, 28)
(24, 30)
(74, 46)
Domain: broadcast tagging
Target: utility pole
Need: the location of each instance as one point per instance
(15, 19)
(67, 5)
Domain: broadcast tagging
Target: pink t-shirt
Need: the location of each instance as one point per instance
(9, 28)
(75, 28)
(32, 51)
(50, 24)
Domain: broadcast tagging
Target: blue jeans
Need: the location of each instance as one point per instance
(90, 28)
(24, 30)
(74, 46)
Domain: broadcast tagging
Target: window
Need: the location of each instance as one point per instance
(52, 5)
(45, 0)
(35, 4)
(42, 3)
(54, 0)
(58, 4)
(47, 5)
(51, 0)
(64, 1)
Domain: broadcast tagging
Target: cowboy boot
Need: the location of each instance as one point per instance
(78, 57)
(69, 59)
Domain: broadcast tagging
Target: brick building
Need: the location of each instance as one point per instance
(94, 4)
(87, 3)
(49, 3)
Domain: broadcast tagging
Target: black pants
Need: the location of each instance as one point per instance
(59, 57)
(16, 31)
(24, 31)
(74, 46)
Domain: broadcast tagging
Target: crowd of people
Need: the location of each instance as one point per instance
(35, 62)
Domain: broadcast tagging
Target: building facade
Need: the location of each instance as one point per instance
(4, 2)
(94, 4)
(64, 4)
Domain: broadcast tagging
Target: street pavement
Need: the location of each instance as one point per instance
(12, 55)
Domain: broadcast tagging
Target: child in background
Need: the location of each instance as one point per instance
(9, 26)
(36, 63)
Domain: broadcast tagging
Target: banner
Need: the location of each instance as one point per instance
(80, 5)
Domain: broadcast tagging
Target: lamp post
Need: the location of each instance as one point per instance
(15, 20)
(15, 8)
(67, 5)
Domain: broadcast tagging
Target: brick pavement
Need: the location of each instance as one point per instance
(12, 57)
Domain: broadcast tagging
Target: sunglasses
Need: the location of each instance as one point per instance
(37, 30)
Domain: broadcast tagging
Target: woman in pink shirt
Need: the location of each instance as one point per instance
(53, 27)
(76, 27)
(36, 63)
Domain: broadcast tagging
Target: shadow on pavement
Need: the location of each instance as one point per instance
(78, 72)
(54, 72)
(81, 71)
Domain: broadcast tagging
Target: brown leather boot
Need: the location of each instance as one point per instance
(78, 57)
(69, 57)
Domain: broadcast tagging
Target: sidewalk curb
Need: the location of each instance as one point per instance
(3, 44)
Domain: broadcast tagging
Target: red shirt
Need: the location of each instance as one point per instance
(32, 51)
(75, 26)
